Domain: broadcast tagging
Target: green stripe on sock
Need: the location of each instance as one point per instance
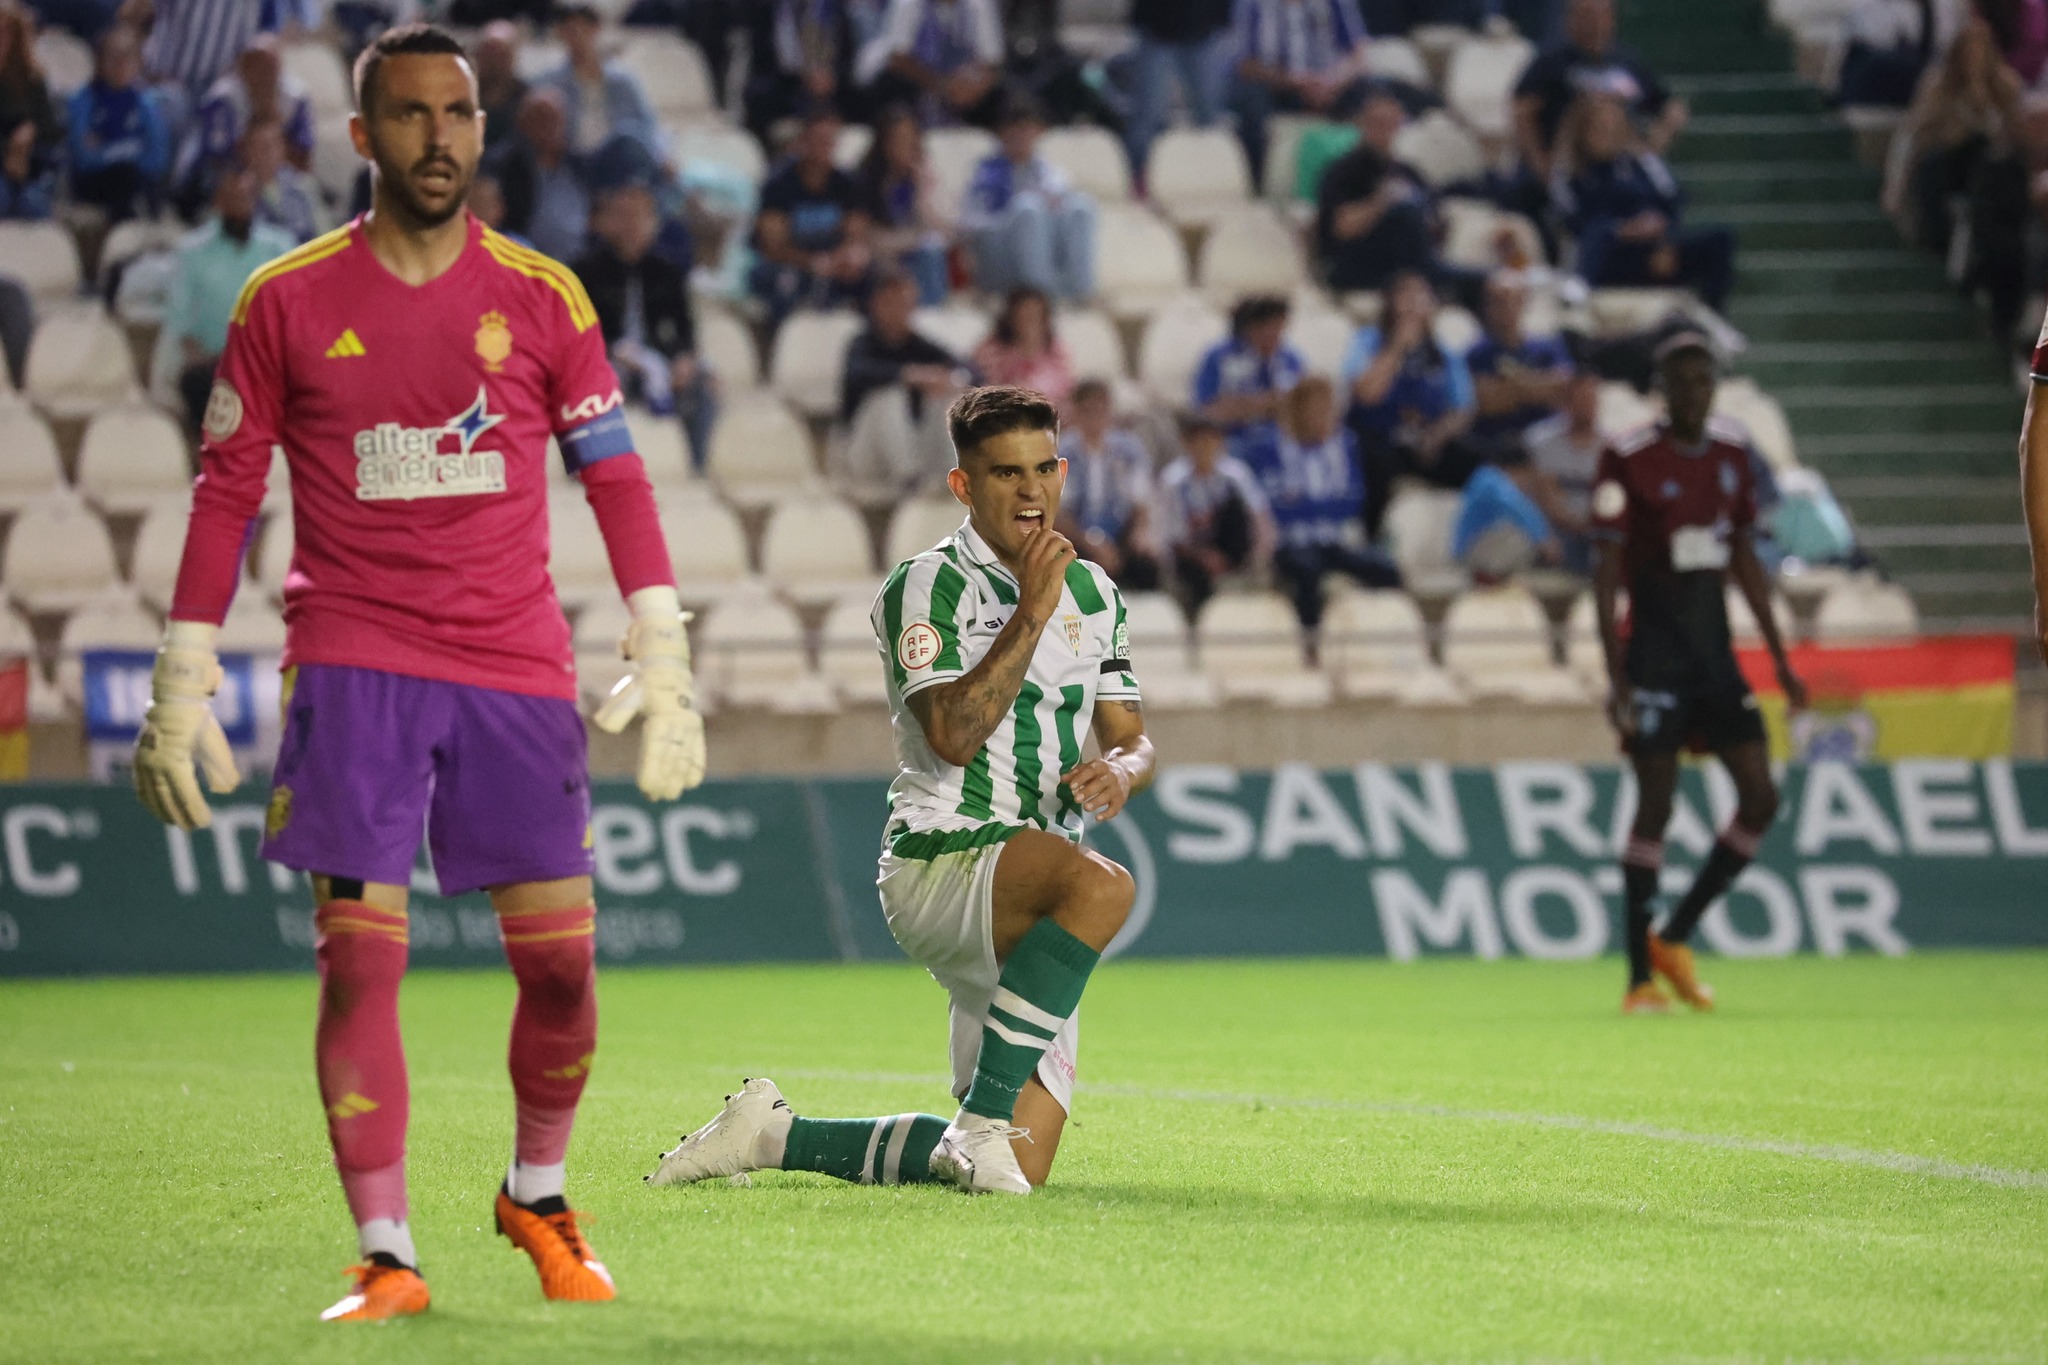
(1049, 968)
(839, 1147)
(1030, 766)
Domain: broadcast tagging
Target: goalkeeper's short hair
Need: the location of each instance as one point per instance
(409, 40)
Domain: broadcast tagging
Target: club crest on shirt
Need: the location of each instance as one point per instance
(1072, 624)
(493, 340)
(223, 411)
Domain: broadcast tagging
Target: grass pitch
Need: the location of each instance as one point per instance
(1280, 1161)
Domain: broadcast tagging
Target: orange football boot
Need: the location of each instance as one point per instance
(382, 1291)
(568, 1269)
(1673, 962)
(1645, 999)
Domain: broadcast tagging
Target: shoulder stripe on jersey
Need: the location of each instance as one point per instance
(947, 586)
(1081, 583)
(548, 271)
(892, 617)
(319, 249)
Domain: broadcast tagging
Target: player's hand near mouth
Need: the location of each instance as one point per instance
(1042, 564)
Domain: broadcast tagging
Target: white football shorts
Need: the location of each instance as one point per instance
(941, 912)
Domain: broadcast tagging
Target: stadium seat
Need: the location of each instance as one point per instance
(253, 626)
(950, 155)
(1623, 409)
(852, 148)
(32, 468)
(1397, 59)
(1250, 644)
(721, 145)
(1378, 646)
(1323, 337)
(750, 652)
(761, 453)
(42, 258)
(708, 548)
(136, 237)
(109, 619)
(1480, 82)
(318, 66)
(1196, 175)
(1176, 337)
(919, 524)
(274, 555)
(1584, 657)
(599, 629)
(1618, 312)
(18, 641)
(661, 446)
(1456, 329)
(1093, 343)
(1092, 158)
(1162, 656)
(1742, 624)
(66, 61)
(335, 163)
(131, 456)
(577, 559)
(809, 360)
(848, 655)
(79, 363)
(1472, 230)
(1140, 261)
(159, 545)
(1250, 251)
(815, 549)
(1864, 609)
(956, 327)
(1418, 527)
(1441, 148)
(1497, 643)
(1760, 415)
(725, 343)
(672, 73)
(58, 555)
(1283, 154)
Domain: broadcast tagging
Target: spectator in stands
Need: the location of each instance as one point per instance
(812, 231)
(1178, 40)
(1293, 57)
(643, 308)
(1375, 216)
(1022, 217)
(1619, 200)
(499, 88)
(547, 200)
(30, 129)
(908, 231)
(1213, 518)
(1562, 452)
(192, 44)
(119, 143)
(1242, 379)
(1518, 380)
(1963, 116)
(2008, 216)
(487, 203)
(1888, 45)
(801, 52)
(1411, 399)
(1589, 60)
(286, 197)
(1500, 531)
(1315, 483)
(943, 56)
(213, 263)
(257, 90)
(2020, 28)
(602, 100)
(1024, 349)
(1106, 508)
(893, 398)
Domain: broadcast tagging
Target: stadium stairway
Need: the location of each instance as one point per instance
(1894, 389)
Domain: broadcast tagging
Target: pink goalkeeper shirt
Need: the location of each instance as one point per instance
(415, 420)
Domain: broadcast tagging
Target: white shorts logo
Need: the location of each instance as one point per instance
(223, 411)
(917, 646)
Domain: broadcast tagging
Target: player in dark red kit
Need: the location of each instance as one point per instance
(1674, 508)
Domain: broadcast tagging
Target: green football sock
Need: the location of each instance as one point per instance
(896, 1150)
(1039, 990)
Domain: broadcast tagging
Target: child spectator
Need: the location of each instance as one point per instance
(1024, 350)
(893, 398)
(1242, 379)
(1563, 453)
(1106, 508)
(907, 229)
(1213, 518)
(1518, 380)
(1022, 217)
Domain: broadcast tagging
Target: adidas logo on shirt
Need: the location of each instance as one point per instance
(346, 345)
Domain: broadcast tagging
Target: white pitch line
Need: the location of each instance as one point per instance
(1902, 1162)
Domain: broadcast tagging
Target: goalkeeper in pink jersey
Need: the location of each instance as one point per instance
(413, 365)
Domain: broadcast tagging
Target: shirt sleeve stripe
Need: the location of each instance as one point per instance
(947, 585)
(549, 271)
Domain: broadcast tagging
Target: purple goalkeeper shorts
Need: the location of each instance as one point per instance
(499, 781)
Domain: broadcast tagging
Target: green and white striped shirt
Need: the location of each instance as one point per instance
(938, 616)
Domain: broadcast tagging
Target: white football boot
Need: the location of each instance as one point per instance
(730, 1144)
(975, 1154)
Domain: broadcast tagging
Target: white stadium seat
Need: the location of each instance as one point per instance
(1584, 656)
(1456, 330)
(732, 148)
(1378, 645)
(66, 61)
(1283, 154)
(1196, 175)
(1623, 409)
(1092, 158)
(1139, 260)
(661, 446)
(577, 559)
(1171, 350)
(335, 163)
(815, 549)
(41, 258)
(1441, 148)
(1419, 526)
(1323, 338)
(848, 655)
(318, 67)
(132, 456)
(58, 555)
(79, 363)
(725, 343)
(111, 619)
(1617, 312)
(253, 626)
(1862, 609)
(1497, 643)
(810, 356)
(32, 468)
(600, 664)
(956, 327)
(1162, 655)
(708, 547)
(1739, 399)
(951, 154)
(750, 652)
(274, 554)
(1472, 230)
(760, 453)
(1480, 83)
(1093, 343)
(672, 73)
(1250, 251)
(1250, 643)
(854, 141)
(159, 546)
(918, 525)
(137, 237)
(1398, 59)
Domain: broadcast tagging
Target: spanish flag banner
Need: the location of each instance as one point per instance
(13, 720)
(1945, 696)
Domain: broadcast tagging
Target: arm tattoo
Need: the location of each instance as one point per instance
(968, 711)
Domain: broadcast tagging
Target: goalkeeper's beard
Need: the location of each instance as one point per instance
(395, 194)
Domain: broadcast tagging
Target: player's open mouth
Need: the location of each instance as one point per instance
(1031, 518)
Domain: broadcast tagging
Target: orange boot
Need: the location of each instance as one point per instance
(568, 1268)
(1673, 962)
(382, 1291)
(1645, 999)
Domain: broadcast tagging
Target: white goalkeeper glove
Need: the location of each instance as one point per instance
(181, 729)
(659, 691)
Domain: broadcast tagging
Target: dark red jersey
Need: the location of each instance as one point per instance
(1676, 511)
